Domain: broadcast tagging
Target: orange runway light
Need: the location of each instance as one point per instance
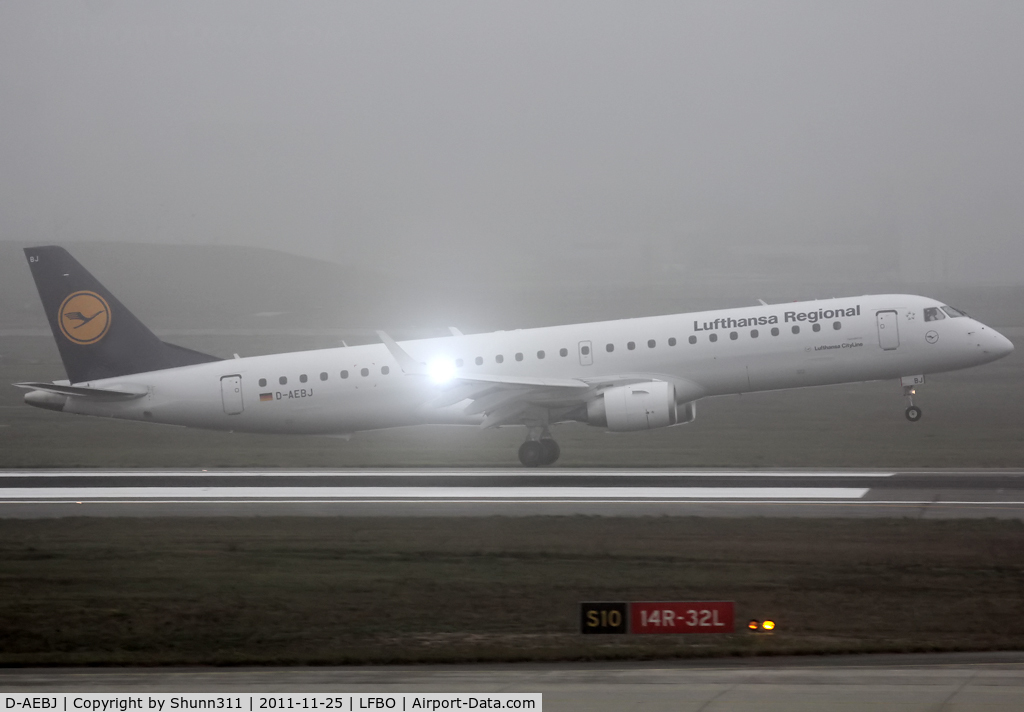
(768, 625)
(753, 625)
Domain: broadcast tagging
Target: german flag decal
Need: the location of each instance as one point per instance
(266, 396)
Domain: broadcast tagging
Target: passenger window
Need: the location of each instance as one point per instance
(519, 356)
(609, 348)
(796, 329)
(693, 339)
(713, 338)
(302, 378)
(650, 344)
(775, 331)
(837, 325)
(263, 382)
(283, 380)
(364, 372)
(672, 341)
(753, 333)
(458, 363)
(631, 345)
(585, 350)
(733, 335)
(540, 354)
(933, 314)
(385, 370)
(816, 327)
(564, 352)
(499, 358)
(479, 360)
(323, 376)
(344, 374)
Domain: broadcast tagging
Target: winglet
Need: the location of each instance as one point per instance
(763, 302)
(454, 331)
(406, 362)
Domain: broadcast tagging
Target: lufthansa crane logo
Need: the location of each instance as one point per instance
(84, 317)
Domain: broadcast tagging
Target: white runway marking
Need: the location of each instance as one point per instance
(519, 472)
(930, 504)
(431, 493)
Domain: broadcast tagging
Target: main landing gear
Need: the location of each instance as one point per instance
(538, 452)
(913, 412)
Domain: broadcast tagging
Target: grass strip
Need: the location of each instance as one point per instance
(305, 590)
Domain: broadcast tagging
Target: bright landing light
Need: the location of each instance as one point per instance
(441, 370)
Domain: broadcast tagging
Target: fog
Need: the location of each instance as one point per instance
(528, 143)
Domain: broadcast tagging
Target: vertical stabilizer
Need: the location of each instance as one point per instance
(96, 335)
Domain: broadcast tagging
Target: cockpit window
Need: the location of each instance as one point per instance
(953, 313)
(933, 314)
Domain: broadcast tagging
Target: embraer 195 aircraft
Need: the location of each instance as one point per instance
(630, 374)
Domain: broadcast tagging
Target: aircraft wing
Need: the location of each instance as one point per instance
(505, 402)
(502, 399)
(524, 381)
(510, 399)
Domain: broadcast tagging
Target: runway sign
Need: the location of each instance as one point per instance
(652, 617)
(657, 617)
(604, 617)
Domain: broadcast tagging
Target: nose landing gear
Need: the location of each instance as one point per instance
(539, 450)
(913, 412)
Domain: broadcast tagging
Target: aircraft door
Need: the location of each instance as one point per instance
(888, 332)
(586, 353)
(231, 394)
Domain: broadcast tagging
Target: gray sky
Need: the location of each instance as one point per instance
(524, 138)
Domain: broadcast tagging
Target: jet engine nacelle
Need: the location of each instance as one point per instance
(686, 413)
(639, 406)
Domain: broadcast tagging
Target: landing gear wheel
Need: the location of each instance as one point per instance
(551, 451)
(913, 414)
(531, 453)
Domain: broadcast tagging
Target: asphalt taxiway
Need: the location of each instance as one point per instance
(474, 492)
(908, 683)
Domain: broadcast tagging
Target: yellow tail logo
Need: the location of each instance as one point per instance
(84, 317)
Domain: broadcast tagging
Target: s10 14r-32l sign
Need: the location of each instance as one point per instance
(657, 617)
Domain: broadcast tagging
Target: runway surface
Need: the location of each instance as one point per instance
(908, 683)
(814, 493)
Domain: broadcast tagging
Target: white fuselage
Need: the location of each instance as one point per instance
(877, 337)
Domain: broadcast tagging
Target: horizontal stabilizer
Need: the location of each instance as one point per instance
(84, 392)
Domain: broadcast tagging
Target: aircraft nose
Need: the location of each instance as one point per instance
(994, 344)
(1003, 346)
